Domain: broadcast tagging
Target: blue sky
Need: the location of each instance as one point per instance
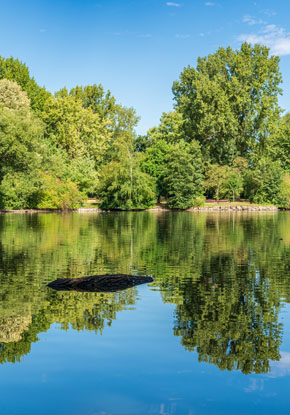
(136, 48)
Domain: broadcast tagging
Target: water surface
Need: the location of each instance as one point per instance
(210, 335)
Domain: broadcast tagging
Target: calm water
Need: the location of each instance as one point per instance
(210, 335)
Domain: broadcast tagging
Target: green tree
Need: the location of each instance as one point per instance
(285, 191)
(122, 183)
(217, 179)
(263, 181)
(20, 137)
(12, 96)
(279, 148)
(183, 176)
(235, 185)
(79, 131)
(171, 128)
(16, 71)
(154, 163)
(94, 98)
(230, 101)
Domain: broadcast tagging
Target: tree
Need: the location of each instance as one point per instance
(94, 98)
(20, 136)
(285, 191)
(77, 130)
(235, 185)
(216, 180)
(16, 71)
(263, 181)
(122, 183)
(170, 129)
(279, 148)
(154, 163)
(183, 176)
(230, 101)
(12, 96)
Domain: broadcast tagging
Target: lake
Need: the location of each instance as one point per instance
(210, 334)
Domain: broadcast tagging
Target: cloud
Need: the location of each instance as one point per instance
(252, 20)
(180, 36)
(269, 12)
(170, 4)
(275, 37)
(146, 35)
(280, 368)
(209, 4)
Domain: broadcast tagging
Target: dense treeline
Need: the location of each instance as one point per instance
(226, 138)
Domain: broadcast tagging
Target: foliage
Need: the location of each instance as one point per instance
(199, 201)
(154, 163)
(285, 191)
(263, 181)
(235, 185)
(170, 129)
(20, 137)
(183, 176)
(12, 96)
(38, 190)
(230, 101)
(19, 191)
(94, 98)
(122, 183)
(280, 144)
(78, 131)
(16, 71)
(225, 181)
(59, 194)
(216, 180)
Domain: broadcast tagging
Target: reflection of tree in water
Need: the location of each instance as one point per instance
(226, 274)
(228, 311)
(80, 311)
(232, 323)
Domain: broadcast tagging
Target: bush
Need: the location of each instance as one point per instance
(285, 191)
(59, 194)
(199, 201)
(263, 182)
(19, 191)
(38, 191)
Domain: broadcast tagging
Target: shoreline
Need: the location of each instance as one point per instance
(246, 208)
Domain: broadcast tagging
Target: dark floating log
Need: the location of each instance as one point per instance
(99, 283)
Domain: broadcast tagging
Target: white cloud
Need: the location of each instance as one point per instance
(180, 36)
(282, 367)
(269, 12)
(146, 35)
(252, 20)
(209, 4)
(275, 37)
(170, 4)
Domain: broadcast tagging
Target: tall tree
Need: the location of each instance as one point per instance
(230, 101)
(183, 176)
(123, 185)
(77, 130)
(17, 71)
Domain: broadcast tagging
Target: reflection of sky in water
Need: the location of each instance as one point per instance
(136, 367)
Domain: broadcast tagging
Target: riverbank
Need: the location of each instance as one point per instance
(222, 208)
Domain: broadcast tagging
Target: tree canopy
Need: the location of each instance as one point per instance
(225, 138)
